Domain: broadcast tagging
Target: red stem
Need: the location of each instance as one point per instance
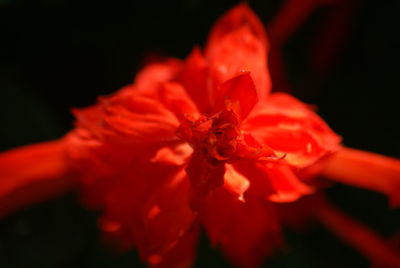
(366, 170)
(359, 236)
(33, 174)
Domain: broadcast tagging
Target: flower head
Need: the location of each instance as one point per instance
(198, 143)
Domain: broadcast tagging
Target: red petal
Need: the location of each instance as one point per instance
(177, 155)
(33, 174)
(129, 117)
(139, 113)
(174, 97)
(167, 216)
(235, 182)
(145, 203)
(235, 18)
(131, 174)
(289, 127)
(247, 232)
(152, 75)
(130, 164)
(239, 93)
(366, 170)
(204, 177)
(238, 43)
(273, 181)
(194, 79)
(288, 187)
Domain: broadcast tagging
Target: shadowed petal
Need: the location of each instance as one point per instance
(247, 232)
(145, 205)
(204, 176)
(167, 217)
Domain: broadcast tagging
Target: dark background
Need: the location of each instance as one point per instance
(58, 54)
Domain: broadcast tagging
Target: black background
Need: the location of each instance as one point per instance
(59, 54)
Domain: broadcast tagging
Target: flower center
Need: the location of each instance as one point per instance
(221, 141)
(217, 137)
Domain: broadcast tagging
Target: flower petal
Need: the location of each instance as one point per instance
(239, 94)
(131, 164)
(136, 114)
(33, 174)
(152, 75)
(289, 127)
(193, 77)
(273, 181)
(247, 232)
(175, 98)
(238, 43)
(167, 216)
(145, 204)
(240, 15)
(204, 176)
(235, 182)
(288, 187)
(366, 170)
(177, 155)
(130, 117)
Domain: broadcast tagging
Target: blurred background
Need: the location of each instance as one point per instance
(341, 56)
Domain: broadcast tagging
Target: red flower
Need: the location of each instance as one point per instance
(200, 142)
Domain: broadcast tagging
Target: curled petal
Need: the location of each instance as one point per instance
(366, 170)
(139, 113)
(33, 174)
(144, 119)
(130, 118)
(239, 94)
(238, 43)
